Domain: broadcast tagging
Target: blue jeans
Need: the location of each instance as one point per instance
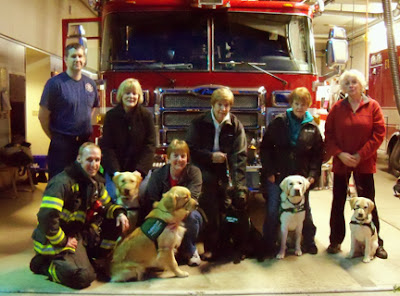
(193, 224)
(110, 187)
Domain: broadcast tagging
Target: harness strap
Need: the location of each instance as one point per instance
(369, 225)
(293, 210)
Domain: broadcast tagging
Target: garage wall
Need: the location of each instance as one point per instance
(37, 23)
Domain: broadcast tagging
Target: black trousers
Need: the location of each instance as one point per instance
(365, 187)
(212, 201)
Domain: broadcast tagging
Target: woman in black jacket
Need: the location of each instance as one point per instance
(217, 143)
(292, 145)
(128, 141)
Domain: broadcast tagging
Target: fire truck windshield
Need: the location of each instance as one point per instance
(178, 41)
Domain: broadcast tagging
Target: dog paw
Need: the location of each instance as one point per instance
(366, 259)
(298, 252)
(182, 274)
(280, 255)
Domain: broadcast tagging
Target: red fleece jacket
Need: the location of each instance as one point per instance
(359, 132)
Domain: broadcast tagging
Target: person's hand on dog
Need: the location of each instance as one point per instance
(218, 157)
(123, 221)
(72, 243)
(348, 159)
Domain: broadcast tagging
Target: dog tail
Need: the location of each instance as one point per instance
(124, 271)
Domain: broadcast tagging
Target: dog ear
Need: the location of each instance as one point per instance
(306, 184)
(353, 201)
(115, 178)
(230, 191)
(284, 185)
(371, 205)
(169, 201)
(138, 175)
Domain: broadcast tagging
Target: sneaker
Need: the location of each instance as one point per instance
(195, 260)
(333, 249)
(381, 253)
(310, 249)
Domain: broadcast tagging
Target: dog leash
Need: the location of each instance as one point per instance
(228, 175)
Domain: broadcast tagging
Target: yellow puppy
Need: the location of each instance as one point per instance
(127, 191)
(364, 236)
(154, 243)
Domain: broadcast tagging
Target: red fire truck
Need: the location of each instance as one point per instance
(181, 50)
(381, 89)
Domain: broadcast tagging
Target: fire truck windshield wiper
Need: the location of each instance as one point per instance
(132, 61)
(177, 66)
(153, 64)
(255, 66)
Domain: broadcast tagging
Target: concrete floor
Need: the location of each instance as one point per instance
(321, 274)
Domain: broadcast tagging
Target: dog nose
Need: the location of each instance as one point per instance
(126, 191)
(297, 191)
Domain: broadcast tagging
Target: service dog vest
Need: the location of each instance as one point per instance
(153, 227)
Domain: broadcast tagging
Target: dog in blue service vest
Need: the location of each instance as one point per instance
(154, 243)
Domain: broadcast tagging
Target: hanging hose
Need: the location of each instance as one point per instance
(392, 50)
(394, 158)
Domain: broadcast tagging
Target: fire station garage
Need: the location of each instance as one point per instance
(181, 51)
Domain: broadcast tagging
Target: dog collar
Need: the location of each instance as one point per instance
(153, 227)
(369, 225)
(294, 210)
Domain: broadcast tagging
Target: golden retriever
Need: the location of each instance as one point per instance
(293, 211)
(127, 192)
(143, 249)
(364, 235)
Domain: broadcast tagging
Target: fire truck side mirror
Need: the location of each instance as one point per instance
(337, 48)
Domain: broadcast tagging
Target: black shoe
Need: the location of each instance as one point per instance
(310, 249)
(333, 249)
(381, 253)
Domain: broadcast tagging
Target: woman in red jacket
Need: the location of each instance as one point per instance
(354, 130)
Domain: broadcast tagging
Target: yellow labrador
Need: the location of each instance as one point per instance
(154, 243)
(292, 211)
(364, 236)
(127, 191)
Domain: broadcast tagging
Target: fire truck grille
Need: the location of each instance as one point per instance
(183, 119)
(193, 101)
(169, 134)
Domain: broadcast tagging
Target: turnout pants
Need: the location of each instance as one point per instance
(73, 270)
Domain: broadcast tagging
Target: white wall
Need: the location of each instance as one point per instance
(38, 67)
(38, 22)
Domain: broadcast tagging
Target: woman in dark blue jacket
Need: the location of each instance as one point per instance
(292, 145)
